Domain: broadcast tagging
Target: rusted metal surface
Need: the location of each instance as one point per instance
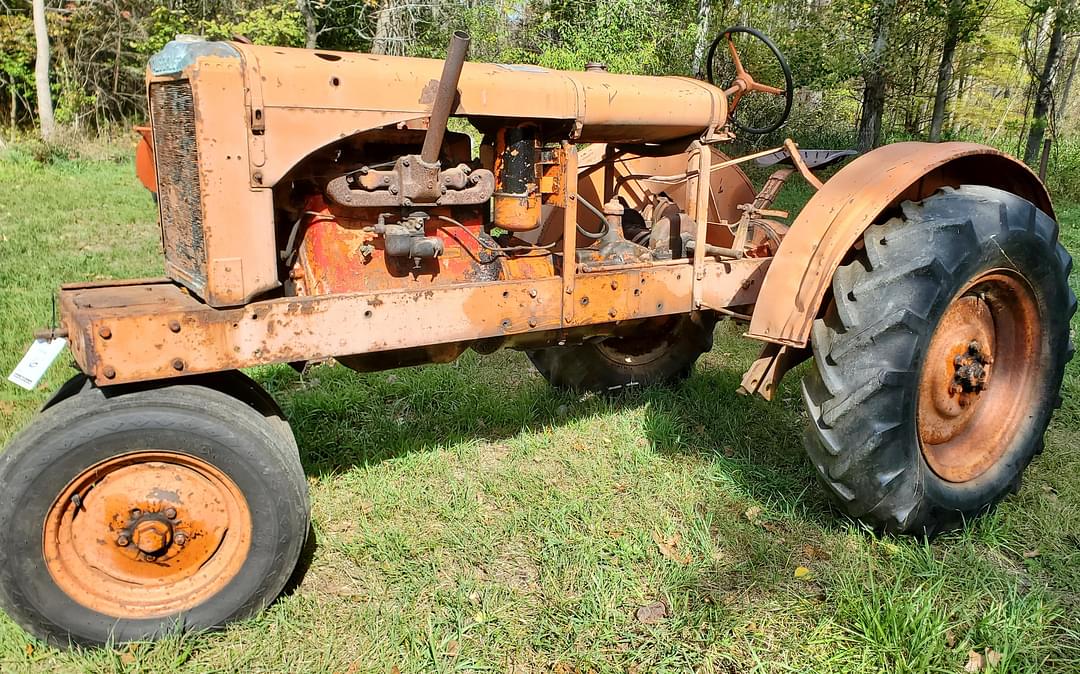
(237, 255)
(279, 107)
(979, 377)
(836, 216)
(144, 345)
(144, 158)
(146, 534)
(412, 183)
(764, 375)
(445, 95)
(517, 201)
(341, 253)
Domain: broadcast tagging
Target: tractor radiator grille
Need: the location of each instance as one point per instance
(177, 158)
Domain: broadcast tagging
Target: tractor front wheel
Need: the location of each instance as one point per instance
(171, 509)
(939, 360)
(662, 350)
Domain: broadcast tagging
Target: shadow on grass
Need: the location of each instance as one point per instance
(344, 420)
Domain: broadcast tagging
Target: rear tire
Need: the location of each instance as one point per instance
(122, 518)
(939, 360)
(664, 352)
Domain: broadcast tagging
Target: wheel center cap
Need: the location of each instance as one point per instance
(152, 536)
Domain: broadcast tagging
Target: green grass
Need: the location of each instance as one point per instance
(468, 518)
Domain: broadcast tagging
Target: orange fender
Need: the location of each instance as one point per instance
(857, 196)
(144, 159)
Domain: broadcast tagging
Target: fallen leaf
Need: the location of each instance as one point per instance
(815, 553)
(801, 572)
(974, 663)
(950, 639)
(752, 513)
(29, 650)
(993, 657)
(452, 649)
(653, 613)
(395, 670)
(127, 658)
(474, 597)
(668, 548)
(478, 618)
(1031, 554)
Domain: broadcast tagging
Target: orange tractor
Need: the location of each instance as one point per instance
(314, 204)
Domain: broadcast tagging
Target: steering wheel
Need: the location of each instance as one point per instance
(743, 84)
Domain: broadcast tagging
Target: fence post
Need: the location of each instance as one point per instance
(1044, 160)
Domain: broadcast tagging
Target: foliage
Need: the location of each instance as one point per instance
(101, 47)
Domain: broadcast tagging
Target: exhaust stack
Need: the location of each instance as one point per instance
(444, 97)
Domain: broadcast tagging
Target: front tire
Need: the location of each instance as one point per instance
(939, 360)
(165, 510)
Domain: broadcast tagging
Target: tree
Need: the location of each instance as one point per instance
(963, 19)
(873, 102)
(1044, 83)
(41, 72)
(703, 10)
(311, 33)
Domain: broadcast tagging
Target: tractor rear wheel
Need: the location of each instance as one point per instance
(939, 360)
(664, 350)
(170, 509)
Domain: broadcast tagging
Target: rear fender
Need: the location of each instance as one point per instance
(834, 220)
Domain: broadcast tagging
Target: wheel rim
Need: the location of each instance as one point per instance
(979, 378)
(146, 534)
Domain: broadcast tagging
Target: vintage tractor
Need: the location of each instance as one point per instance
(314, 204)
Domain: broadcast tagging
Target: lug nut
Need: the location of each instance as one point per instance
(180, 538)
(104, 332)
(122, 540)
(135, 512)
(170, 513)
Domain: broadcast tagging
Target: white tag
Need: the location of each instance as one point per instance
(41, 354)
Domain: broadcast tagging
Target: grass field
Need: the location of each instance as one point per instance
(468, 518)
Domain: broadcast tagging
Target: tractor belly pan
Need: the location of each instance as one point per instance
(144, 330)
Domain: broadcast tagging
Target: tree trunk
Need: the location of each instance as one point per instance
(41, 73)
(945, 70)
(873, 104)
(1045, 88)
(1064, 107)
(704, 8)
(381, 43)
(311, 34)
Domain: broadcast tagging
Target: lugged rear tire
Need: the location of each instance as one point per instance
(662, 352)
(914, 435)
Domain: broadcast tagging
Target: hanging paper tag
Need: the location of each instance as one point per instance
(41, 354)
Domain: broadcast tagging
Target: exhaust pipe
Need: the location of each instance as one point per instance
(444, 97)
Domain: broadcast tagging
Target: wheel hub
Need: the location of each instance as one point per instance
(972, 370)
(147, 534)
(977, 379)
(151, 537)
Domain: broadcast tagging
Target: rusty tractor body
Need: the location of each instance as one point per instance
(315, 205)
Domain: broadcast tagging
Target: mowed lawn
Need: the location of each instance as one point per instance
(469, 518)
